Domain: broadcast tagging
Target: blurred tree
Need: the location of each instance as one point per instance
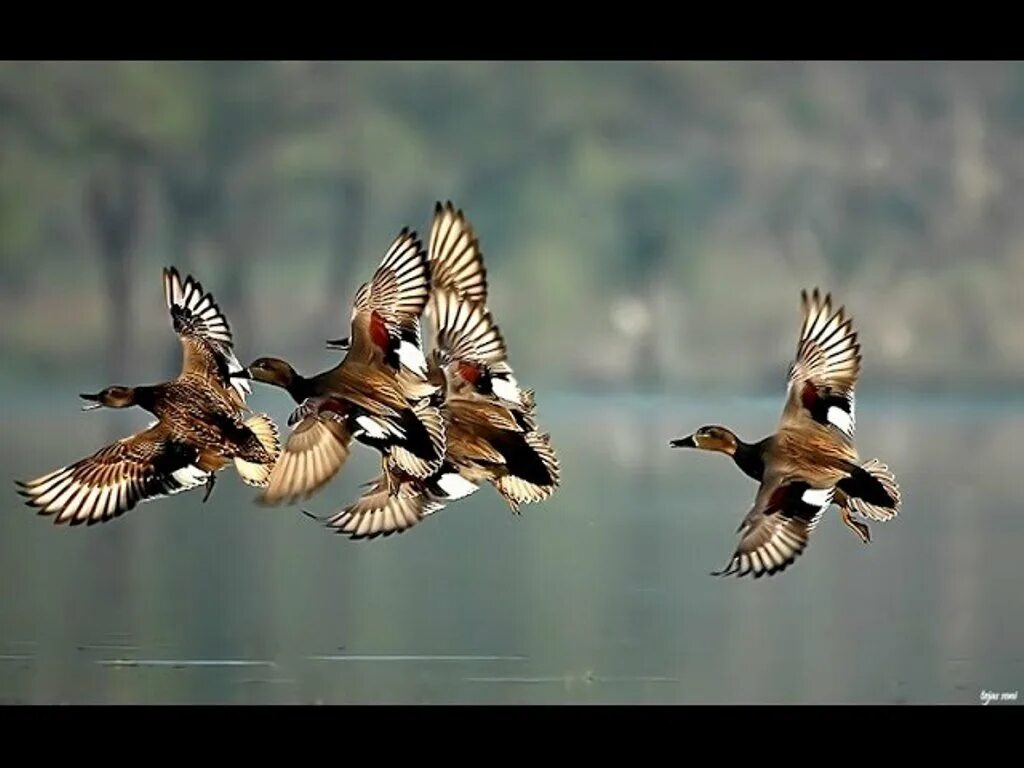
(594, 185)
(113, 204)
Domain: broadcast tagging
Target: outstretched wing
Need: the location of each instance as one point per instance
(456, 263)
(380, 513)
(116, 478)
(386, 312)
(205, 334)
(466, 331)
(823, 375)
(472, 347)
(775, 531)
(314, 453)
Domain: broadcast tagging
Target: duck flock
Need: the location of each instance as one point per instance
(445, 422)
(448, 417)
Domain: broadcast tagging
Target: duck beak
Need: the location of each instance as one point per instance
(93, 402)
(245, 373)
(684, 442)
(340, 344)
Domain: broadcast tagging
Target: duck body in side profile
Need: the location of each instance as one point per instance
(199, 428)
(378, 394)
(810, 462)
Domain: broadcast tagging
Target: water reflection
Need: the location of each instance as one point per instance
(600, 595)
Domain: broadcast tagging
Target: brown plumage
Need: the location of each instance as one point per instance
(390, 505)
(378, 393)
(456, 262)
(486, 442)
(199, 427)
(810, 462)
(490, 423)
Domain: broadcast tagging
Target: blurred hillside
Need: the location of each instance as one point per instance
(645, 225)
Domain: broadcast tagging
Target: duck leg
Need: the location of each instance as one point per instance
(211, 480)
(861, 529)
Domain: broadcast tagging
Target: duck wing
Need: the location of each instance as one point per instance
(386, 311)
(775, 531)
(380, 513)
(824, 373)
(465, 329)
(456, 263)
(472, 347)
(116, 478)
(476, 412)
(205, 335)
(314, 453)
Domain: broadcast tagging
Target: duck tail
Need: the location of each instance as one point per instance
(533, 469)
(872, 491)
(253, 473)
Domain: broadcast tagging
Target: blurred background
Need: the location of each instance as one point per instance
(647, 228)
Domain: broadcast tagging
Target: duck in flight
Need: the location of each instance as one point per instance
(810, 462)
(491, 431)
(378, 394)
(199, 428)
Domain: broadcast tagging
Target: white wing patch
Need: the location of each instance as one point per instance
(377, 430)
(837, 417)
(455, 486)
(818, 497)
(412, 358)
(507, 388)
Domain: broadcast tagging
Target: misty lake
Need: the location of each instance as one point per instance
(600, 595)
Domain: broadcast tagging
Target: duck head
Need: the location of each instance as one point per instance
(710, 438)
(269, 370)
(111, 397)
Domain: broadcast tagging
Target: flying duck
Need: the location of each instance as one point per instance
(810, 462)
(199, 429)
(378, 394)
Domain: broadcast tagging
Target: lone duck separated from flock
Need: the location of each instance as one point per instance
(810, 462)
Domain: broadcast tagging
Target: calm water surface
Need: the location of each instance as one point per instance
(601, 595)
